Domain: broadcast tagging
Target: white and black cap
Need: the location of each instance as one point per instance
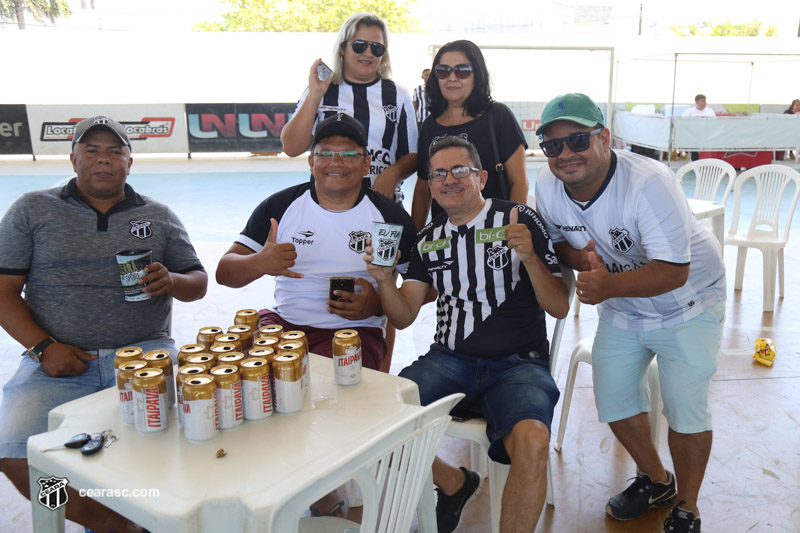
(100, 123)
(341, 124)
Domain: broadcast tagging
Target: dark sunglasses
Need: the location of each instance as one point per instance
(577, 142)
(462, 71)
(360, 47)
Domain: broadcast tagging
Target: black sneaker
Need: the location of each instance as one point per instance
(681, 521)
(448, 508)
(643, 494)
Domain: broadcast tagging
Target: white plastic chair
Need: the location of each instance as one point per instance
(709, 174)
(391, 470)
(764, 233)
(474, 429)
(582, 353)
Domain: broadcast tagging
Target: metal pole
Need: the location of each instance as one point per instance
(672, 116)
(750, 90)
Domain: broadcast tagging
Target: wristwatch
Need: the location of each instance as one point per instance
(35, 352)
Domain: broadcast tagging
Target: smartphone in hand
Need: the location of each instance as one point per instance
(323, 71)
(341, 283)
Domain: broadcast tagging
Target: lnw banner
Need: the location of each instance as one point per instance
(237, 127)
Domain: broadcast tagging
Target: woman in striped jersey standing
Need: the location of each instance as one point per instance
(361, 86)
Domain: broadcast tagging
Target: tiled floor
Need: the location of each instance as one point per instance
(753, 478)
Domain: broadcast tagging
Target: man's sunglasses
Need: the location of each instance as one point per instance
(462, 71)
(459, 172)
(360, 47)
(577, 142)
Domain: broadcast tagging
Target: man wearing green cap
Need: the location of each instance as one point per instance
(657, 277)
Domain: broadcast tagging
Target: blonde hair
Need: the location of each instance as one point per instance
(348, 31)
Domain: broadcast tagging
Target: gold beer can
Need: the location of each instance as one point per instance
(287, 373)
(346, 357)
(150, 405)
(206, 335)
(256, 389)
(298, 346)
(270, 330)
(188, 350)
(245, 334)
(263, 353)
(221, 348)
(129, 353)
(125, 387)
(184, 373)
(161, 359)
(231, 358)
(229, 395)
(248, 317)
(206, 360)
(267, 342)
(229, 338)
(200, 414)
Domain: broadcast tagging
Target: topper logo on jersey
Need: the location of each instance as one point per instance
(620, 240)
(141, 228)
(497, 257)
(358, 241)
(391, 112)
(307, 234)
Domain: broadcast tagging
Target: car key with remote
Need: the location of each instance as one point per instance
(94, 445)
(78, 441)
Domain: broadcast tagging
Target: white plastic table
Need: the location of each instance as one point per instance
(198, 492)
(707, 209)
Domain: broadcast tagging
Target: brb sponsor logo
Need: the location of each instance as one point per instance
(138, 130)
(53, 492)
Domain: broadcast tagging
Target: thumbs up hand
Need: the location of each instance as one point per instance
(276, 257)
(519, 237)
(592, 284)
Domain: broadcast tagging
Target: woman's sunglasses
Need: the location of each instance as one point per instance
(462, 71)
(577, 142)
(360, 47)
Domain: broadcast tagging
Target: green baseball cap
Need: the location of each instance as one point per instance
(575, 107)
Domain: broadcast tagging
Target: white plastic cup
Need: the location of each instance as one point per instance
(385, 242)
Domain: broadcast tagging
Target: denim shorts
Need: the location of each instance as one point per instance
(687, 358)
(504, 391)
(30, 394)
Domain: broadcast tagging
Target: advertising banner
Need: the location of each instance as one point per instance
(15, 136)
(152, 128)
(237, 127)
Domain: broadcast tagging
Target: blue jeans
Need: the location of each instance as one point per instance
(504, 391)
(30, 394)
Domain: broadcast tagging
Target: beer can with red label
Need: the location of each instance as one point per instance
(245, 334)
(184, 373)
(206, 335)
(298, 347)
(347, 357)
(256, 389)
(188, 350)
(287, 372)
(270, 330)
(125, 388)
(150, 407)
(161, 359)
(229, 395)
(130, 353)
(200, 414)
(248, 317)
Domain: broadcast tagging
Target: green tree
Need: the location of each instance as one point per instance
(705, 28)
(308, 15)
(39, 9)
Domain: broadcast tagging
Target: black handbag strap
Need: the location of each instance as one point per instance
(501, 175)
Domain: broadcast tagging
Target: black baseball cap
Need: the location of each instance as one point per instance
(341, 124)
(100, 123)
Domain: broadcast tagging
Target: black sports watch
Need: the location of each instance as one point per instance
(35, 352)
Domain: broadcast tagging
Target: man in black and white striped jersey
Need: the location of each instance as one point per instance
(494, 268)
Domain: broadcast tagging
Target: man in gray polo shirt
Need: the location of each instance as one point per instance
(59, 246)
